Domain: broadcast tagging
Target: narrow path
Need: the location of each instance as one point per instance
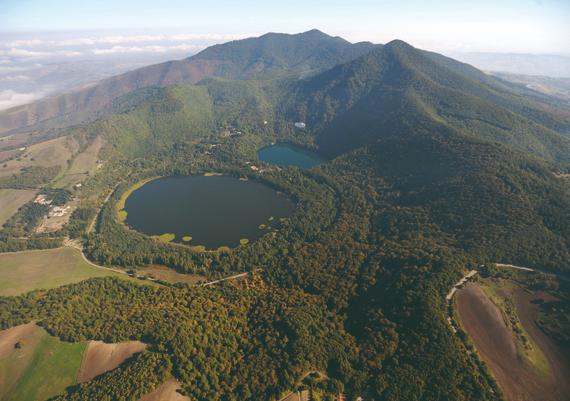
(303, 394)
(528, 269)
(76, 245)
(224, 279)
(463, 280)
(94, 221)
(514, 267)
(233, 277)
(451, 293)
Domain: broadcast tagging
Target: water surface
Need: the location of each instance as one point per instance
(214, 211)
(286, 154)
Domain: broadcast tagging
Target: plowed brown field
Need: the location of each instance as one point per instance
(496, 344)
(101, 357)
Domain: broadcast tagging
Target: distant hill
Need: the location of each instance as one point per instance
(554, 87)
(551, 65)
(270, 55)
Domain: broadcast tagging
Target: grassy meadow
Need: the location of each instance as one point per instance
(82, 165)
(11, 200)
(43, 367)
(21, 272)
(54, 152)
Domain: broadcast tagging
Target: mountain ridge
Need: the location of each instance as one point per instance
(314, 49)
(397, 82)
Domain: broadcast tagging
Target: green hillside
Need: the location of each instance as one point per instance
(390, 90)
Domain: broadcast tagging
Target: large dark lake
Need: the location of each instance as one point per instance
(285, 154)
(214, 211)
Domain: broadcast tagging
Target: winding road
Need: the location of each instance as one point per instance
(92, 224)
(75, 244)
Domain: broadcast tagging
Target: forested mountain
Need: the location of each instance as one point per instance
(432, 168)
(392, 89)
(267, 56)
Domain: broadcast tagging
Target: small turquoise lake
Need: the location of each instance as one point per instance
(285, 154)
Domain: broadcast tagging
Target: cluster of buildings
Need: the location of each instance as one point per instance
(230, 133)
(54, 211)
(43, 200)
(253, 167)
(58, 211)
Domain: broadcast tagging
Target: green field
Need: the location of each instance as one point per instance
(21, 272)
(42, 368)
(11, 200)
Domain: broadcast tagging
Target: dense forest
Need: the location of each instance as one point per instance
(433, 168)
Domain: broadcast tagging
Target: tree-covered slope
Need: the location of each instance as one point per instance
(278, 54)
(395, 87)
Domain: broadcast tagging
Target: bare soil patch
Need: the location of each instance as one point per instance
(7, 154)
(166, 392)
(101, 357)
(53, 223)
(496, 344)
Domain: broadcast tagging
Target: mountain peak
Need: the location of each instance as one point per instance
(314, 31)
(399, 44)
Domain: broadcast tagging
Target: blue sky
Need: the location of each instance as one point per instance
(535, 26)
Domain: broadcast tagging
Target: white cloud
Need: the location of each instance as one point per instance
(35, 48)
(67, 53)
(10, 98)
(146, 49)
(25, 43)
(124, 39)
(19, 52)
(13, 78)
